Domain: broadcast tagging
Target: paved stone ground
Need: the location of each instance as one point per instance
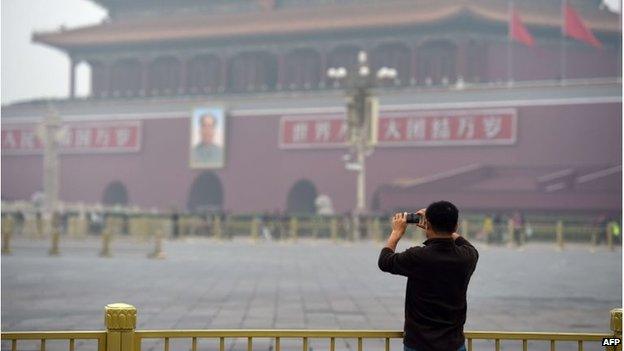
(307, 284)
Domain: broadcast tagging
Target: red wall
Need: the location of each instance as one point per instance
(258, 175)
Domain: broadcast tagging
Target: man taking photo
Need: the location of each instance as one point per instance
(437, 278)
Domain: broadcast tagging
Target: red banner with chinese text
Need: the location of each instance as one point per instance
(79, 137)
(405, 128)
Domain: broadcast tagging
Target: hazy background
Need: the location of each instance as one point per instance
(248, 245)
(24, 62)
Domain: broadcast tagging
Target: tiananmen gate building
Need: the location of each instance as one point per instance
(462, 121)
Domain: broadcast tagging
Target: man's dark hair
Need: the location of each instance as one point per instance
(442, 216)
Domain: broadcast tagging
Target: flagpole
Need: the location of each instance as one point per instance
(509, 44)
(563, 42)
(619, 47)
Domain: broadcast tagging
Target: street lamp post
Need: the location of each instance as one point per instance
(362, 110)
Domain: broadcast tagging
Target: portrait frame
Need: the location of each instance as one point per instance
(201, 154)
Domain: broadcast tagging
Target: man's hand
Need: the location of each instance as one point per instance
(399, 224)
(423, 220)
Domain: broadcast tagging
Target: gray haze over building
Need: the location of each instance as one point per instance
(32, 70)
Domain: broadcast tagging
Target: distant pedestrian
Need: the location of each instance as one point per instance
(265, 227)
(517, 221)
(19, 222)
(97, 222)
(497, 233)
(614, 228)
(39, 223)
(600, 228)
(175, 223)
(528, 231)
(487, 228)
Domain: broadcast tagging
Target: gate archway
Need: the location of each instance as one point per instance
(301, 198)
(115, 193)
(206, 193)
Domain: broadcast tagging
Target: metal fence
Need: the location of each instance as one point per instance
(121, 335)
(79, 221)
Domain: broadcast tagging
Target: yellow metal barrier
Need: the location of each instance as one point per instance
(377, 234)
(141, 224)
(255, 228)
(333, 228)
(99, 336)
(217, 231)
(120, 320)
(56, 238)
(293, 228)
(559, 235)
(609, 237)
(106, 239)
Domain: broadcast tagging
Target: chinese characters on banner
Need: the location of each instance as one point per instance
(313, 131)
(404, 128)
(81, 137)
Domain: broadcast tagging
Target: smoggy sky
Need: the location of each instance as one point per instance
(32, 70)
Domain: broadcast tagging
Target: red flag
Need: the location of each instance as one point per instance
(574, 27)
(517, 30)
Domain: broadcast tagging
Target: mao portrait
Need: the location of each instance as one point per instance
(207, 138)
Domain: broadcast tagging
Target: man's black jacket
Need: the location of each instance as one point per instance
(435, 298)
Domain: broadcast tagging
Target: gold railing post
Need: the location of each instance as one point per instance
(39, 225)
(294, 227)
(216, 227)
(106, 239)
(616, 327)
(333, 228)
(81, 226)
(77, 226)
(377, 229)
(559, 235)
(56, 237)
(7, 231)
(350, 235)
(120, 320)
(369, 228)
(71, 226)
(255, 228)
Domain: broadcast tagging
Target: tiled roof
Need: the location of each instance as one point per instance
(319, 19)
(493, 179)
